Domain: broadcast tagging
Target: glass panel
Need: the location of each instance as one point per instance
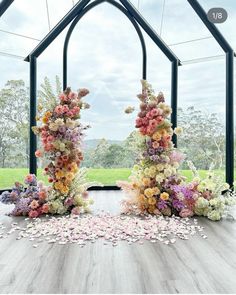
(14, 123)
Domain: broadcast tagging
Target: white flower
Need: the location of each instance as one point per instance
(202, 203)
(214, 215)
(53, 126)
(178, 130)
(159, 178)
(59, 122)
(167, 172)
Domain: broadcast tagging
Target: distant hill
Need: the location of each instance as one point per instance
(92, 143)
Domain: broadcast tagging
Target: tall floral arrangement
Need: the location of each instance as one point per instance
(61, 135)
(155, 185)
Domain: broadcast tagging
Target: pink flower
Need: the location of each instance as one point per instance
(63, 97)
(50, 138)
(33, 214)
(59, 110)
(75, 211)
(68, 202)
(70, 114)
(143, 130)
(159, 119)
(167, 138)
(176, 156)
(29, 178)
(48, 147)
(186, 213)
(145, 121)
(156, 112)
(152, 123)
(139, 122)
(42, 195)
(76, 110)
(38, 154)
(45, 208)
(151, 129)
(149, 115)
(155, 144)
(34, 204)
(65, 108)
(72, 95)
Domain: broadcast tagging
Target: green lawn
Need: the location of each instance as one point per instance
(106, 176)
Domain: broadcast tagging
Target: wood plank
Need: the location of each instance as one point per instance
(193, 266)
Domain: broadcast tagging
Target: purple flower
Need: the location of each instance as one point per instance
(5, 198)
(22, 206)
(161, 204)
(62, 129)
(154, 158)
(160, 149)
(151, 151)
(177, 204)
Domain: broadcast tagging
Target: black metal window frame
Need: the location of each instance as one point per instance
(125, 6)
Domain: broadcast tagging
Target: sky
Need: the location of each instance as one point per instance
(105, 56)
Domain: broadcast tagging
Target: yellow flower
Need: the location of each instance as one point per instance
(70, 176)
(146, 181)
(60, 174)
(156, 190)
(135, 185)
(178, 130)
(149, 192)
(164, 196)
(141, 199)
(151, 209)
(151, 201)
(156, 136)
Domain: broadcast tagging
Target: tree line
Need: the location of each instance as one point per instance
(203, 140)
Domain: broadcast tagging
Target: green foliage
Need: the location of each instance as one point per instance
(106, 176)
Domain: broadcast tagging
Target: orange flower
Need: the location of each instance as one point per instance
(152, 201)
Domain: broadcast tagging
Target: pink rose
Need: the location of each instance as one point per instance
(65, 108)
(45, 208)
(186, 213)
(159, 119)
(151, 129)
(63, 97)
(139, 122)
(38, 154)
(72, 95)
(50, 138)
(149, 115)
(143, 130)
(33, 213)
(145, 121)
(152, 123)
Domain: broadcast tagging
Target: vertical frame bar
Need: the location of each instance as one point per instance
(33, 107)
(174, 97)
(229, 160)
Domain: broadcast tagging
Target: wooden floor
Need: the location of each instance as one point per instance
(193, 266)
